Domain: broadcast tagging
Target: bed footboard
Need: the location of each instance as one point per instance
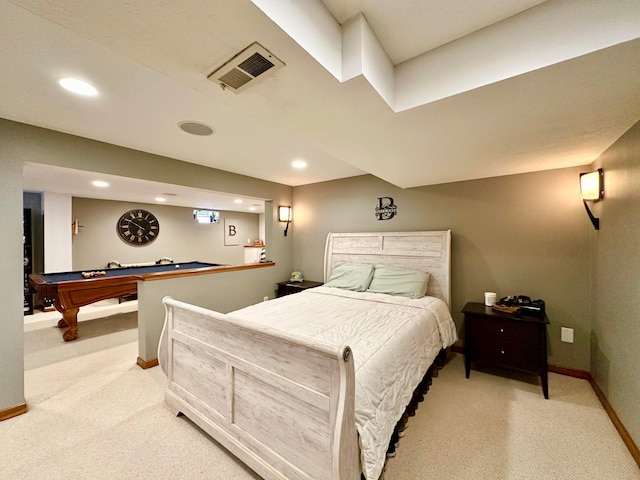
(283, 405)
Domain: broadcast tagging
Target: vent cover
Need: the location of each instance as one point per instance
(247, 67)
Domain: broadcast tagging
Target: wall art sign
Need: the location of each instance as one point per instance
(231, 232)
(386, 209)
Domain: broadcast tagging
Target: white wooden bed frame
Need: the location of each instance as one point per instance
(284, 405)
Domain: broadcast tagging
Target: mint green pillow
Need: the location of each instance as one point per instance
(351, 276)
(398, 281)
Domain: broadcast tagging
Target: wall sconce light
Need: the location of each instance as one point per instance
(75, 227)
(592, 190)
(285, 214)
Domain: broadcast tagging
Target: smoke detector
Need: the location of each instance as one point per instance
(246, 68)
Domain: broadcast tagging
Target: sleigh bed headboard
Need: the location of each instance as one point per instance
(428, 251)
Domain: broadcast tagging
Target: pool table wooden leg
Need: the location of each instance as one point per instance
(70, 334)
(69, 321)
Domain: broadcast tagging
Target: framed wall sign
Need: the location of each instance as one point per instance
(231, 232)
(386, 209)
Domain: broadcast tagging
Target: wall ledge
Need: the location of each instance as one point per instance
(206, 271)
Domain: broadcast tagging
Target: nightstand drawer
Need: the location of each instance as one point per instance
(495, 330)
(508, 354)
(287, 288)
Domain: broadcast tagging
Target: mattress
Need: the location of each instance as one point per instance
(393, 339)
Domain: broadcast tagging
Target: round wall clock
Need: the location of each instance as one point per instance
(138, 227)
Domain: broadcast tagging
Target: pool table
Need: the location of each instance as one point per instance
(71, 290)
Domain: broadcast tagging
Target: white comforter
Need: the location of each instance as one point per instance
(393, 339)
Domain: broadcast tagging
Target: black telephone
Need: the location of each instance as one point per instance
(523, 302)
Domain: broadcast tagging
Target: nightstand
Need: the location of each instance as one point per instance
(287, 288)
(516, 341)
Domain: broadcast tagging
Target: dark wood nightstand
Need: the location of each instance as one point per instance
(287, 288)
(509, 340)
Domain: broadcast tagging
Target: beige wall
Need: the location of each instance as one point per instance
(11, 342)
(38, 145)
(180, 237)
(525, 234)
(522, 234)
(216, 292)
(615, 340)
(21, 143)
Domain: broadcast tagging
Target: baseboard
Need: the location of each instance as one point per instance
(147, 363)
(626, 437)
(570, 372)
(622, 431)
(13, 412)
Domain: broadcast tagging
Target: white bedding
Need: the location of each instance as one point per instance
(393, 339)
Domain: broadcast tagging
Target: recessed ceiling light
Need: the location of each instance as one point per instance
(161, 199)
(252, 209)
(196, 128)
(299, 164)
(100, 184)
(79, 87)
(237, 200)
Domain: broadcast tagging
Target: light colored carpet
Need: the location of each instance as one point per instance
(499, 426)
(43, 346)
(99, 416)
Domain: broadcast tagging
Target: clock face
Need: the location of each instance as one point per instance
(138, 227)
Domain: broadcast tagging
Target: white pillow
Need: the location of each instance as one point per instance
(351, 276)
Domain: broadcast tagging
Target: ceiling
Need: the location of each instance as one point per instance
(416, 92)
(48, 178)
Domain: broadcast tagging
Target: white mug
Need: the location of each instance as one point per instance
(489, 298)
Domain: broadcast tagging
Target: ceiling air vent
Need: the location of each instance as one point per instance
(247, 67)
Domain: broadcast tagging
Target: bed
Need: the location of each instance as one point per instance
(313, 385)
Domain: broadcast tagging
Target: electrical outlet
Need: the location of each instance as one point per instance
(566, 334)
(265, 298)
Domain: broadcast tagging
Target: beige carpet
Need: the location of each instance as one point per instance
(44, 345)
(99, 416)
(500, 427)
